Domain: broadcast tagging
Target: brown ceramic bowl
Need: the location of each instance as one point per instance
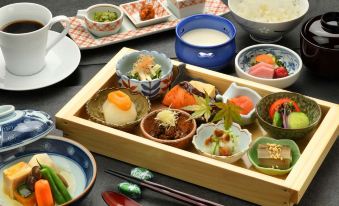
(319, 59)
(147, 123)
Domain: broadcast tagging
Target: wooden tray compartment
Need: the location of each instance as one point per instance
(239, 179)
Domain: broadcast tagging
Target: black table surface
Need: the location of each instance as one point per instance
(324, 188)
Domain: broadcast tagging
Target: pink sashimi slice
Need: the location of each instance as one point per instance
(261, 64)
(262, 70)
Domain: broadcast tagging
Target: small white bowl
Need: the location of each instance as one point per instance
(233, 91)
(206, 130)
(101, 29)
(266, 32)
(290, 58)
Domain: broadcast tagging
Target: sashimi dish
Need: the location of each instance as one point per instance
(267, 66)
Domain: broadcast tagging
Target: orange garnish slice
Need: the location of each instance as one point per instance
(265, 58)
(120, 99)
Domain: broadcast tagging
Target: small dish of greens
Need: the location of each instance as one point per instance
(105, 16)
(145, 69)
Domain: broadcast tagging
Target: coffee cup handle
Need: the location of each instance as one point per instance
(62, 34)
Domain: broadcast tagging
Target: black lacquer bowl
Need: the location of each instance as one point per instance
(319, 41)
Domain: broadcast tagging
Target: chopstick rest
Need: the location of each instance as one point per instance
(191, 199)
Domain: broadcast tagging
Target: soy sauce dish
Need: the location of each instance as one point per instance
(205, 40)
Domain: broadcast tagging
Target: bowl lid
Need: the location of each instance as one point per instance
(21, 127)
(323, 30)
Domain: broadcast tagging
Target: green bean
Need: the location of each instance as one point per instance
(59, 198)
(60, 185)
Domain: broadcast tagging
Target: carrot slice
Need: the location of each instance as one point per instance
(120, 99)
(25, 201)
(43, 193)
(178, 98)
(265, 58)
(244, 102)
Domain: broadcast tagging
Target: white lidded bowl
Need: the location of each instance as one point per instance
(206, 130)
(234, 91)
(291, 60)
(266, 32)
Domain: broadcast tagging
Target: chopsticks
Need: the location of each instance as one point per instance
(165, 190)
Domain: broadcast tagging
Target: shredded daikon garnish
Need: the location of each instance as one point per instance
(167, 118)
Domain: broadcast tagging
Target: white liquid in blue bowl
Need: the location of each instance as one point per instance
(205, 37)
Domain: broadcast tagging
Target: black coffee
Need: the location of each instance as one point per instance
(23, 26)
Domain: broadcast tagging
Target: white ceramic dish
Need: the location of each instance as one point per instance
(101, 29)
(290, 58)
(233, 91)
(184, 8)
(61, 62)
(132, 10)
(206, 130)
(263, 32)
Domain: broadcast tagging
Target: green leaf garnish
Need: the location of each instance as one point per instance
(202, 108)
(228, 112)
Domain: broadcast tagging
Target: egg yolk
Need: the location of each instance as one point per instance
(120, 99)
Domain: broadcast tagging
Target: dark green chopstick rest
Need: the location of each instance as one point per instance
(142, 173)
(129, 189)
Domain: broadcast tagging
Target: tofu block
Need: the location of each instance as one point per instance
(274, 156)
(203, 87)
(14, 176)
(43, 159)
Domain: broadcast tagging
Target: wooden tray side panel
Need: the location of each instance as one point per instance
(171, 164)
(317, 149)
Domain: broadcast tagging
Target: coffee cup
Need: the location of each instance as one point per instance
(23, 36)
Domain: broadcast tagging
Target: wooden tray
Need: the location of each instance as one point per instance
(240, 179)
(85, 40)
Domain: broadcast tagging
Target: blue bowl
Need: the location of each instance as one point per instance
(211, 57)
(68, 155)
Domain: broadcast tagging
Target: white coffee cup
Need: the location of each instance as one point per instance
(25, 53)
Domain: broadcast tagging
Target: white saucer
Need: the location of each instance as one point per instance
(61, 61)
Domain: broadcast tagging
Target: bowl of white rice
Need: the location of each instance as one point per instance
(268, 20)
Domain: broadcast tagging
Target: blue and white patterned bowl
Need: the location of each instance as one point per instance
(291, 60)
(153, 88)
(21, 127)
(68, 155)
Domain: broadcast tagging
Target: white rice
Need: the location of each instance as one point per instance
(268, 11)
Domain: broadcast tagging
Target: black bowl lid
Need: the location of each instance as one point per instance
(323, 30)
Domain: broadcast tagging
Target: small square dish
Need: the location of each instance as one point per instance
(132, 10)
